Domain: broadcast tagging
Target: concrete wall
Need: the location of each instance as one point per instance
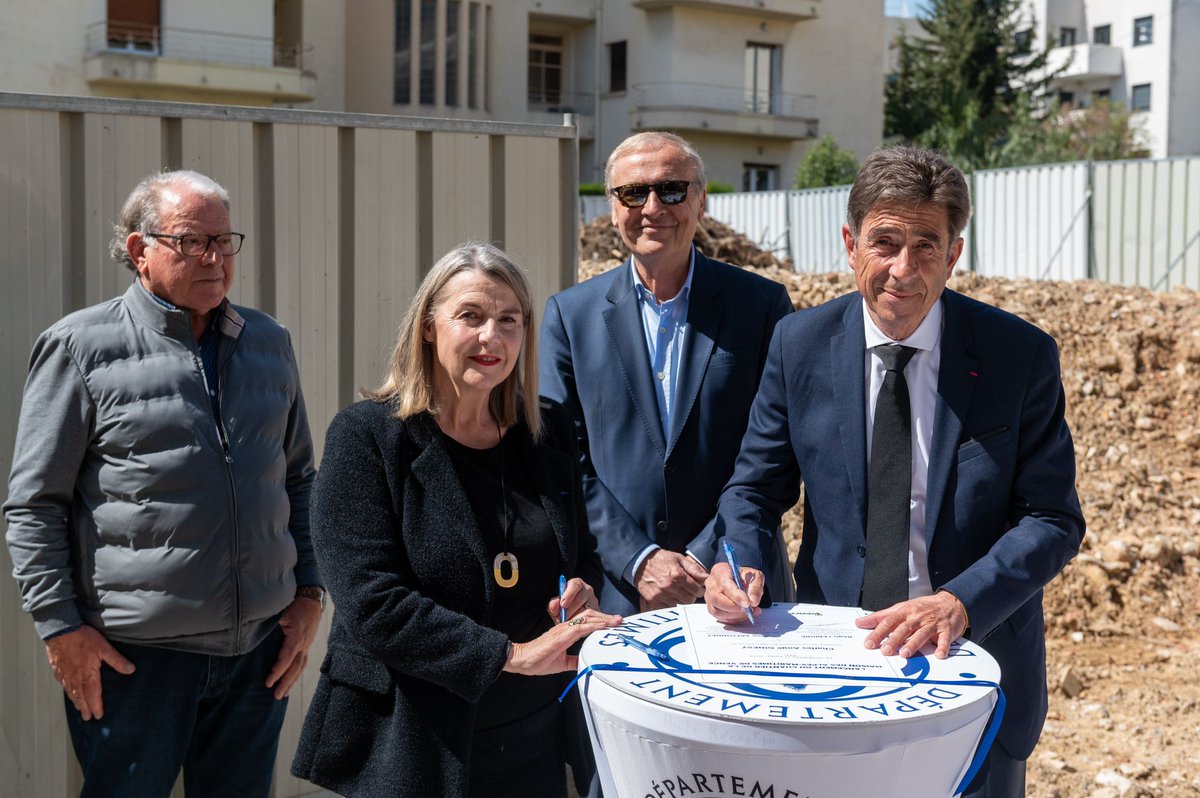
(1183, 124)
(839, 61)
(42, 50)
(323, 26)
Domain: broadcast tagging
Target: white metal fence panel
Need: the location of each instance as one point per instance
(1133, 222)
(1032, 222)
(761, 216)
(1146, 217)
(592, 206)
(817, 216)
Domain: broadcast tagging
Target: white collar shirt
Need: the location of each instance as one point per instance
(921, 374)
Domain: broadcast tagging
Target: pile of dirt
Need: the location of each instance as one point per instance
(1124, 656)
(600, 242)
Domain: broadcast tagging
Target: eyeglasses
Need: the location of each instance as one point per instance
(634, 195)
(196, 244)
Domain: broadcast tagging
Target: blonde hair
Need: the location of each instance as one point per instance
(409, 381)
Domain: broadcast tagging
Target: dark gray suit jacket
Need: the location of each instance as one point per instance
(640, 485)
(1002, 515)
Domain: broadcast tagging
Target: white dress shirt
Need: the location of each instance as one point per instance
(922, 377)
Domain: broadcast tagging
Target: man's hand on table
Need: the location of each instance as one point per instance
(905, 627)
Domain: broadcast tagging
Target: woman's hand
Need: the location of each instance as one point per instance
(548, 654)
(578, 597)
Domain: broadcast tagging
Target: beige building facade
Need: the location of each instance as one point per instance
(229, 53)
(752, 83)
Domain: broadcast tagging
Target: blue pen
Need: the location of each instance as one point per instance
(562, 608)
(642, 647)
(731, 558)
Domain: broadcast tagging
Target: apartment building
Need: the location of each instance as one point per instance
(752, 82)
(1140, 53)
(233, 53)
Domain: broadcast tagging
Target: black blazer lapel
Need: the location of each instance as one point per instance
(433, 469)
(956, 385)
(705, 313)
(846, 352)
(624, 323)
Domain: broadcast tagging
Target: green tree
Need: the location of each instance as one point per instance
(826, 164)
(964, 77)
(1102, 132)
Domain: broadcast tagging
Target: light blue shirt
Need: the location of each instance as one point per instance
(665, 327)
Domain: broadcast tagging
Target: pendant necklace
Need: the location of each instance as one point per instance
(504, 558)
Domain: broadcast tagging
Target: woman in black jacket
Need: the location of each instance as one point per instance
(446, 507)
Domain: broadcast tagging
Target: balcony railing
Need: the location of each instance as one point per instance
(195, 45)
(790, 10)
(1086, 61)
(705, 97)
(563, 102)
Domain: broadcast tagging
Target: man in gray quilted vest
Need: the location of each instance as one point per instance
(158, 511)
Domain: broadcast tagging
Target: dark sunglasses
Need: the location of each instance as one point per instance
(634, 195)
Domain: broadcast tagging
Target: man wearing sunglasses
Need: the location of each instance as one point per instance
(158, 511)
(658, 360)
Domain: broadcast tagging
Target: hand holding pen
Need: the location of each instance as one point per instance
(574, 597)
(730, 598)
(731, 558)
(562, 607)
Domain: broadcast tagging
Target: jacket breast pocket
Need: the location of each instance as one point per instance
(988, 441)
(724, 358)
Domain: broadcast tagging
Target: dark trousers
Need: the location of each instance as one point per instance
(1004, 777)
(525, 759)
(211, 716)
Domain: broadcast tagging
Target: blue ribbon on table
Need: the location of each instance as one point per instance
(981, 751)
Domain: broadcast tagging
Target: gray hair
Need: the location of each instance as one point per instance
(142, 208)
(408, 384)
(909, 176)
(649, 140)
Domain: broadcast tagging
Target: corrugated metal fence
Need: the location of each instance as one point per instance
(1128, 222)
(1146, 222)
(343, 214)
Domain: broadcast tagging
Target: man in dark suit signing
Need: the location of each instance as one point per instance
(928, 431)
(658, 360)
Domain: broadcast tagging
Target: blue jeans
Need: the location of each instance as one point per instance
(211, 716)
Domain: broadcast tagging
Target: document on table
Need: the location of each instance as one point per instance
(787, 640)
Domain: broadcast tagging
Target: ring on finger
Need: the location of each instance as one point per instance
(576, 621)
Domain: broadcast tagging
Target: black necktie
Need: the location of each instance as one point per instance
(889, 486)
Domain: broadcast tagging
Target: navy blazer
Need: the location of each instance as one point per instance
(1002, 514)
(410, 650)
(643, 486)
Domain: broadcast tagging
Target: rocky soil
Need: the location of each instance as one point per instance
(1124, 652)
